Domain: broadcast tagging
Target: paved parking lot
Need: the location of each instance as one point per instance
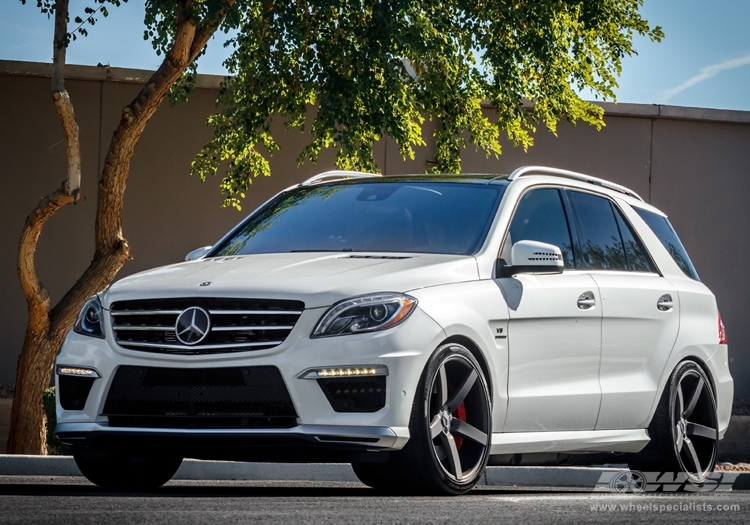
(62, 500)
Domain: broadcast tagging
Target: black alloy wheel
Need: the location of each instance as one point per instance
(685, 429)
(695, 426)
(451, 431)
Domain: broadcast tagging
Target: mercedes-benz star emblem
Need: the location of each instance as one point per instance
(192, 325)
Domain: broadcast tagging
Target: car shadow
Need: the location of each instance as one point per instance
(243, 489)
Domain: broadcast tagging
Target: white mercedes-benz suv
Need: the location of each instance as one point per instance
(418, 327)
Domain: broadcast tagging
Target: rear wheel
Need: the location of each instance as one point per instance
(141, 471)
(684, 432)
(450, 431)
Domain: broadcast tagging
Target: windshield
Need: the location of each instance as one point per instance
(418, 216)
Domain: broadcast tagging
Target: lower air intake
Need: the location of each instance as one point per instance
(74, 391)
(355, 394)
(246, 397)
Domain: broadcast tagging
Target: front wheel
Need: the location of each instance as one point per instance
(450, 427)
(126, 471)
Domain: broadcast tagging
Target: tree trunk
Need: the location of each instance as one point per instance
(47, 328)
(27, 416)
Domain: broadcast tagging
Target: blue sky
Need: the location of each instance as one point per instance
(704, 60)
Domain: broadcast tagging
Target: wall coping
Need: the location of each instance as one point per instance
(140, 76)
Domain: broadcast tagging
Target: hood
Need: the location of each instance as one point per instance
(314, 278)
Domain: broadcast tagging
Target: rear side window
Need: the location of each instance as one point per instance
(540, 216)
(668, 237)
(601, 244)
(635, 253)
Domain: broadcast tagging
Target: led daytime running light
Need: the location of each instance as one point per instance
(78, 372)
(337, 372)
(344, 371)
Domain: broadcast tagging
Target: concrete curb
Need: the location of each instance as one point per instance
(193, 469)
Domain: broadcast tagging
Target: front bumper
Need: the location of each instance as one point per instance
(403, 350)
(302, 443)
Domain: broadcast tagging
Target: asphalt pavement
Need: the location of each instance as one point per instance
(32, 500)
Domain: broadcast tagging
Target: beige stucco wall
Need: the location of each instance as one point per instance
(693, 164)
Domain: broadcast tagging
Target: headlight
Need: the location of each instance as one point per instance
(366, 313)
(89, 321)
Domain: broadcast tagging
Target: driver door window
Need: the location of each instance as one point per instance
(540, 216)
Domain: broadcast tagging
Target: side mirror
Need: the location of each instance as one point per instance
(197, 254)
(532, 257)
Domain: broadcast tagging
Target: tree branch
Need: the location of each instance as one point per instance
(72, 185)
(186, 47)
(60, 43)
(36, 294)
(96, 278)
(207, 30)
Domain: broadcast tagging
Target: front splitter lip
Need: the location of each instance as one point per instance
(381, 438)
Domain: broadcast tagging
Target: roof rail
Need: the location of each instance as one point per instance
(543, 170)
(337, 175)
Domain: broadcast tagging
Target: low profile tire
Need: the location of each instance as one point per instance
(684, 432)
(375, 475)
(450, 427)
(129, 472)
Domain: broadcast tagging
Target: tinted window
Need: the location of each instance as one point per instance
(540, 216)
(636, 255)
(668, 237)
(424, 217)
(601, 244)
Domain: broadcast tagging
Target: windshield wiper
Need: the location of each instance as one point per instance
(342, 250)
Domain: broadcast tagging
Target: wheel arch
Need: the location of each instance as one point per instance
(694, 359)
(473, 347)
(704, 366)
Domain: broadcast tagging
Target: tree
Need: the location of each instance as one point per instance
(349, 72)
(181, 29)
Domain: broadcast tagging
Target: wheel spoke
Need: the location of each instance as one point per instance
(679, 442)
(462, 392)
(443, 386)
(694, 429)
(462, 428)
(435, 426)
(694, 400)
(680, 400)
(452, 452)
(693, 455)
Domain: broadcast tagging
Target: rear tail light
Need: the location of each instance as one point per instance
(722, 332)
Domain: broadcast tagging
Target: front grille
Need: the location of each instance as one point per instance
(244, 397)
(236, 325)
(354, 394)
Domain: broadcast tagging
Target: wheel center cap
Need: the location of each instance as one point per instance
(445, 419)
(682, 425)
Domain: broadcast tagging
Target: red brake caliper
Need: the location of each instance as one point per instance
(460, 414)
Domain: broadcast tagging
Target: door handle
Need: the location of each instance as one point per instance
(665, 303)
(586, 300)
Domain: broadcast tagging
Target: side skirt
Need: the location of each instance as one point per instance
(570, 441)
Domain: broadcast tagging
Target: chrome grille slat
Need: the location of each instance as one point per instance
(240, 328)
(187, 348)
(149, 325)
(145, 312)
(253, 312)
(145, 328)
